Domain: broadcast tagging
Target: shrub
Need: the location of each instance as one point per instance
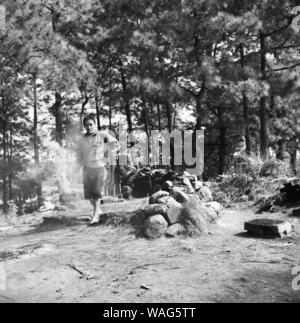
(251, 176)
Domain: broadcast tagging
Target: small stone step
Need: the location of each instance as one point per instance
(269, 228)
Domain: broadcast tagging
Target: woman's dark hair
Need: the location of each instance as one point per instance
(90, 117)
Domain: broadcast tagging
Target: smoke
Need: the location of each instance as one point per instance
(64, 161)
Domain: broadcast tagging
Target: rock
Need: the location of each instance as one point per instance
(265, 204)
(156, 209)
(197, 185)
(269, 228)
(142, 183)
(173, 215)
(174, 230)
(158, 195)
(179, 195)
(275, 209)
(196, 218)
(155, 227)
(188, 184)
(169, 201)
(295, 212)
(291, 191)
(126, 192)
(167, 186)
(205, 194)
(216, 206)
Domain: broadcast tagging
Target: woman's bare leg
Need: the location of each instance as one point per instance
(97, 212)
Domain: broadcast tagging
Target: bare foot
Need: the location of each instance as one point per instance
(96, 219)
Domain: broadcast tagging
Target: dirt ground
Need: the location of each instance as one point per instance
(108, 264)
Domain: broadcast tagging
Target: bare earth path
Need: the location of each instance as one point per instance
(118, 267)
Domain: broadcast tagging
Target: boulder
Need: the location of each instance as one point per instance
(156, 209)
(175, 230)
(205, 194)
(169, 201)
(268, 228)
(158, 195)
(173, 215)
(179, 195)
(275, 209)
(155, 227)
(188, 184)
(126, 192)
(291, 191)
(196, 218)
(167, 186)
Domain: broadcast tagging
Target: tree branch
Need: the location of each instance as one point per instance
(279, 30)
(285, 68)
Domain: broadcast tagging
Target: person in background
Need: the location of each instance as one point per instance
(91, 156)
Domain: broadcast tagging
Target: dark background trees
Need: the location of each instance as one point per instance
(229, 66)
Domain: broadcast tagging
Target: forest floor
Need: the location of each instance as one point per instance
(44, 264)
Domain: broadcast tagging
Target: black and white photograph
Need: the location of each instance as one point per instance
(149, 154)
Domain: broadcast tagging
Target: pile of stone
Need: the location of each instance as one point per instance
(291, 191)
(288, 196)
(174, 212)
(147, 181)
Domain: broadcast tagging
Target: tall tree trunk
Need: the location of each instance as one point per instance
(159, 117)
(85, 101)
(10, 179)
(145, 118)
(110, 114)
(280, 154)
(222, 142)
(58, 118)
(152, 115)
(199, 109)
(245, 106)
(264, 131)
(281, 149)
(36, 141)
(199, 97)
(4, 175)
(294, 160)
(110, 96)
(175, 117)
(170, 116)
(126, 97)
(97, 110)
(10, 157)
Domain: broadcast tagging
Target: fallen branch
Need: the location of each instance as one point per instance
(84, 275)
